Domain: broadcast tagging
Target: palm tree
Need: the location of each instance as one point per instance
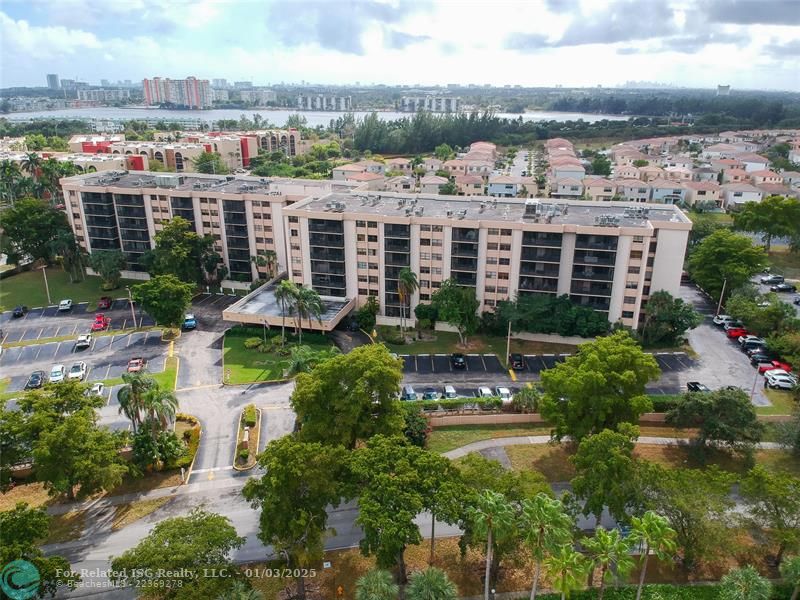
(307, 304)
(790, 571)
(745, 584)
(131, 394)
(545, 526)
(406, 285)
(285, 294)
(240, 590)
(266, 258)
(376, 584)
(31, 164)
(493, 517)
(160, 407)
(9, 177)
(654, 533)
(430, 584)
(73, 258)
(568, 566)
(609, 549)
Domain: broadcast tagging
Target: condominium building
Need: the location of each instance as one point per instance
(190, 92)
(105, 95)
(430, 104)
(123, 210)
(324, 102)
(605, 255)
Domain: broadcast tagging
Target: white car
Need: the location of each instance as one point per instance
(779, 379)
(84, 341)
(98, 389)
(450, 392)
(77, 371)
(65, 305)
(722, 319)
(503, 393)
(750, 338)
(57, 374)
(485, 392)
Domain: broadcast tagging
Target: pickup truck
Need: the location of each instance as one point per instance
(136, 364)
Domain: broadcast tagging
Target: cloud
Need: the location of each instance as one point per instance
(752, 12)
(20, 38)
(400, 40)
(692, 43)
(526, 41)
(787, 50)
(562, 6)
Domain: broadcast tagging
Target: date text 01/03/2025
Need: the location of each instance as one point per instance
(255, 572)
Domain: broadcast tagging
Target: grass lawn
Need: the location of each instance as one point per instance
(166, 379)
(443, 439)
(782, 403)
(721, 218)
(28, 288)
(33, 493)
(66, 527)
(125, 514)
(447, 343)
(784, 262)
(248, 366)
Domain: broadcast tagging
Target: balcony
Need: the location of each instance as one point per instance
(105, 210)
(328, 280)
(538, 269)
(325, 226)
(104, 243)
(461, 278)
(235, 230)
(597, 242)
(463, 264)
(181, 203)
(396, 245)
(601, 304)
(327, 268)
(240, 266)
(392, 230)
(541, 255)
(396, 258)
(538, 284)
(594, 258)
(233, 206)
(326, 239)
(461, 234)
(540, 238)
(239, 254)
(135, 246)
(136, 235)
(464, 249)
(94, 221)
(128, 200)
(235, 218)
(593, 274)
(392, 272)
(591, 289)
(334, 254)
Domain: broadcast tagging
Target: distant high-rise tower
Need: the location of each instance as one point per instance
(52, 81)
(723, 90)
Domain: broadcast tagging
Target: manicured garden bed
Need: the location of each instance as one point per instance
(247, 438)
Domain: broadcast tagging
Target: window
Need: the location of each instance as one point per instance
(494, 231)
(631, 285)
(296, 274)
(437, 228)
(424, 255)
(361, 223)
(503, 276)
(296, 260)
(491, 274)
(361, 237)
(259, 240)
(363, 292)
(436, 284)
(505, 261)
(491, 260)
(291, 219)
(633, 270)
(372, 238)
(436, 256)
(502, 290)
(424, 227)
(505, 247)
(258, 227)
(361, 265)
(488, 302)
(627, 314)
(629, 300)
(295, 246)
(636, 254)
(424, 242)
(638, 238)
(362, 279)
(295, 233)
(372, 224)
(490, 289)
(372, 252)
(435, 242)
(492, 246)
(424, 283)
(505, 232)
(373, 279)
(361, 251)
(425, 270)
(424, 296)
(436, 271)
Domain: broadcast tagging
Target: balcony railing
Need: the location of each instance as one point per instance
(396, 245)
(592, 258)
(540, 255)
(327, 268)
(320, 253)
(596, 242)
(326, 239)
(461, 234)
(325, 226)
(598, 274)
(464, 249)
(327, 280)
(397, 258)
(463, 264)
(592, 289)
(538, 284)
(462, 278)
(392, 230)
(538, 269)
(540, 238)
(594, 303)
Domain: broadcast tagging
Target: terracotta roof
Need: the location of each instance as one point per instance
(364, 176)
(504, 179)
(702, 185)
(396, 161)
(356, 167)
(665, 183)
(739, 172)
(774, 188)
(591, 181)
(568, 181)
(764, 173)
(433, 179)
(739, 187)
(751, 157)
(467, 179)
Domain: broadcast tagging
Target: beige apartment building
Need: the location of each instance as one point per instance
(608, 256)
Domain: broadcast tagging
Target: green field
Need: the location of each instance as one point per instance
(28, 289)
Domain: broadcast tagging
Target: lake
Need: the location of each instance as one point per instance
(277, 117)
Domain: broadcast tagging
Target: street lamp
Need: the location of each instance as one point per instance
(130, 303)
(46, 287)
(721, 296)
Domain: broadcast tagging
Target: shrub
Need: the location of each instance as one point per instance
(252, 343)
(493, 403)
(191, 449)
(250, 415)
(526, 400)
(244, 454)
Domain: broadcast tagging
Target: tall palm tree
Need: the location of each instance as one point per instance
(431, 584)
(285, 294)
(307, 305)
(376, 584)
(73, 258)
(545, 526)
(10, 175)
(654, 533)
(406, 285)
(493, 517)
(609, 550)
(266, 258)
(159, 407)
(569, 568)
(131, 394)
(31, 164)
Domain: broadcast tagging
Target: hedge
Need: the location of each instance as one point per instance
(665, 403)
(493, 403)
(192, 438)
(250, 415)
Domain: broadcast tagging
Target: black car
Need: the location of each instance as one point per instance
(19, 311)
(36, 380)
(696, 386)
(516, 361)
(783, 287)
(457, 361)
(761, 357)
(796, 300)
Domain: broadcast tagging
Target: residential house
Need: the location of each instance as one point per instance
(567, 169)
(633, 190)
(678, 174)
(403, 165)
(650, 173)
(373, 166)
(627, 156)
(791, 178)
(599, 189)
(724, 164)
(567, 187)
(684, 162)
(469, 185)
(734, 195)
(455, 166)
(481, 168)
(752, 162)
(372, 181)
(765, 176)
(400, 183)
(431, 184)
(702, 191)
(735, 176)
(663, 191)
(432, 165)
(503, 186)
(529, 185)
(777, 189)
(720, 151)
(704, 174)
(341, 172)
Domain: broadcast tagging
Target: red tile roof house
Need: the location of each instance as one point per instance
(431, 184)
(626, 172)
(399, 164)
(373, 181)
(735, 176)
(469, 185)
(752, 162)
(633, 190)
(566, 187)
(777, 189)
(599, 189)
(734, 195)
(765, 176)
(702, 191)
(341, 172)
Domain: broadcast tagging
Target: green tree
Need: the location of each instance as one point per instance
(416, 425)
(790, 571)
(788, 432)
(22, 529)
(30, 227)
(431, 584)
(70, 256)
(653, 534)
(667, 318)
(286, 295)
(406, 286)
(611, 552)
(568, 568)
(31, 162)
(366, 316)
(774, 319)
(457, 306)
(725, 256)
(267, 259)
(301, 480)
(178, 552)
(448, 189)
(392, 493)
(307, 305)
(159, 407)
(77, 453)
(773, 501)
(443, 152)
(787, 344)
(442, 491)
(377, 584)
(492, 517)
(640, 163)
(210, 162)
(723, 417)
(14, 444)
(131, 396)
(606, 472)
(179, 251)
(598, 388)
(545, 526)
(108, 264)
(156, 451)
(775, 216)
(350, 397)
(165, 298)
(601, 165)
(526, 400)
(745, 584)
(304, 358)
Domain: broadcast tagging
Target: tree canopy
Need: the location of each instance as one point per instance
(108, 264)
(179, 251)
(165, 298)
(30, 227)
(457, 305)
(775, 216)
(550, 314)
(210, 162)
(667, 319)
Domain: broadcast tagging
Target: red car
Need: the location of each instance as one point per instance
(104, 303)
(136, 364)
(774, 364)
(736, 333)
(101, 322)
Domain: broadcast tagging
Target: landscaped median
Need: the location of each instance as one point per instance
(247, 438)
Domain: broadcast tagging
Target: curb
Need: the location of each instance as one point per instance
(236, 446)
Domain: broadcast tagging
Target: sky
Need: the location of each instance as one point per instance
(752, 44)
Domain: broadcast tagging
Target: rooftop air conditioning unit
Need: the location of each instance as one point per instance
(449, 212)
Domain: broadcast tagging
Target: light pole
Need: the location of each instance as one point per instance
(130, 303)
(508, 343)
(46, 287)
(721, 296)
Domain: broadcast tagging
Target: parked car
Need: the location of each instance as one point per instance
(36, 380)
(796, 300)
(65, 305)
(772, 279)
(485, 392)
(761, 356)
(189, 322)
(19, 311)
(136, 364)
(408, 393)
(457, 361)
(104, 303)
(722, 320)
(779, 379)
(83, 341)
(736, 332)
(57, 373)
(516, 361)
(98, 389)
(77, 371)
(430, 393)
(449, 393)
(774, 364)
(101, 322)
(783, 287)
(503, 393)
(733, 325)
(696, 386)
(758, 346)
(750, 338)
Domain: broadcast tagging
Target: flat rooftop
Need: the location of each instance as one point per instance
(484, 208)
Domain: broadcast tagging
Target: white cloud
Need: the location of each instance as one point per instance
(20, 38)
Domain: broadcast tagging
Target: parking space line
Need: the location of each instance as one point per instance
(483, 362)
(38, 351)
(108, 369)
(74, 329)
(41, 331)
(127, 345)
